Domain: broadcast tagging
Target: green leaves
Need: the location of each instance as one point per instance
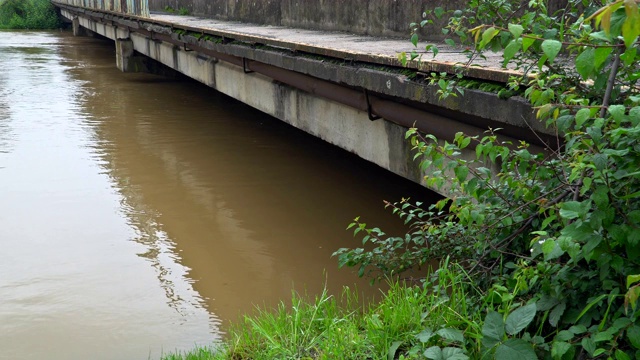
(601, 55)
(633, 334)
(589, 345)
(551, 48)
(559, 348)
(559, 231)
(633, 292)
(556, 314)
(436, 352)
(617, 112)
(414, 39)
(487, 36)
(515, 349)
(447, 353)
(515, 30)
(582, 115)
(493, 331)
(631, 25)
(574, 209)
(527, 42)
(451, 334)
(510, 51)
(631, 279)
(585, 63)
(520, 318)
(461, 172)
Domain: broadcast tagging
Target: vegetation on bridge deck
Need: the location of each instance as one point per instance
(28, 14)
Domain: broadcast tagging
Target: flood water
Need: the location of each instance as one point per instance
(141, 215)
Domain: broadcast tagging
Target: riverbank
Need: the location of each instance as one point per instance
(28, 14)
(406, 322)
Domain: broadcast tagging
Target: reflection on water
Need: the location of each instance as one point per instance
(71, 283)
(141, 214)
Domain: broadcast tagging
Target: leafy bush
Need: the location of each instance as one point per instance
(552, 239)
(28, 14)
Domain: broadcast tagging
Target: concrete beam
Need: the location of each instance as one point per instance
(130, 61)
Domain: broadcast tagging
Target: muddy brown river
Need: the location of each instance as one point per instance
(140, 215)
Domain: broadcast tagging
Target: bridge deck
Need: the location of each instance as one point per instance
(332, 94)
(340, 45)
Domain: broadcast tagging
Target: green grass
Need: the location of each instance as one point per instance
(28, 14)
(181, 11)
(329, 328)
(202, 353)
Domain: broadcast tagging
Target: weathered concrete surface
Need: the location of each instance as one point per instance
(130, 7)
(370, 17)
(76, 28)
(364, 17)
(359, 61)
(131, 61)
(379, 142)
(356, 64)
(125, 58)
(215, 52)
(343, 46)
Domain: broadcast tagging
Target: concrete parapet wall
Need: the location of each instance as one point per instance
(366, 17)
(371, 17)
(130, 7)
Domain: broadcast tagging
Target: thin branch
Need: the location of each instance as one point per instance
(526, 204)
(610, 83)
(524, 227)
(554, 153)
(473, 171)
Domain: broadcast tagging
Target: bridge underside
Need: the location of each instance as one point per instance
(361, 120)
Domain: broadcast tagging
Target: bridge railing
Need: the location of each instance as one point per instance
(130, 7)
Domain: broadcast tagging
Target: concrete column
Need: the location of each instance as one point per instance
(126, 59)
(77, 29)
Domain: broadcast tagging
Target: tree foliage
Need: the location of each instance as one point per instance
(551, 238)
(28, 14)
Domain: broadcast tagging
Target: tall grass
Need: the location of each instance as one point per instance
(330, 328)
(28, 14)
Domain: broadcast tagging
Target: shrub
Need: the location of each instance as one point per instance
(551, 239)
(28, 14)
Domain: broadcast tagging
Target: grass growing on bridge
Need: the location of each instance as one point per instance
(28, 14)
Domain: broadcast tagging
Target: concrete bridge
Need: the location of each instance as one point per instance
(348, 89)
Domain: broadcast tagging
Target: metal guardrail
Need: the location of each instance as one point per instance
(130, 7)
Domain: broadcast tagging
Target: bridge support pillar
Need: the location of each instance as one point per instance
(77, 29)
(126, 59)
